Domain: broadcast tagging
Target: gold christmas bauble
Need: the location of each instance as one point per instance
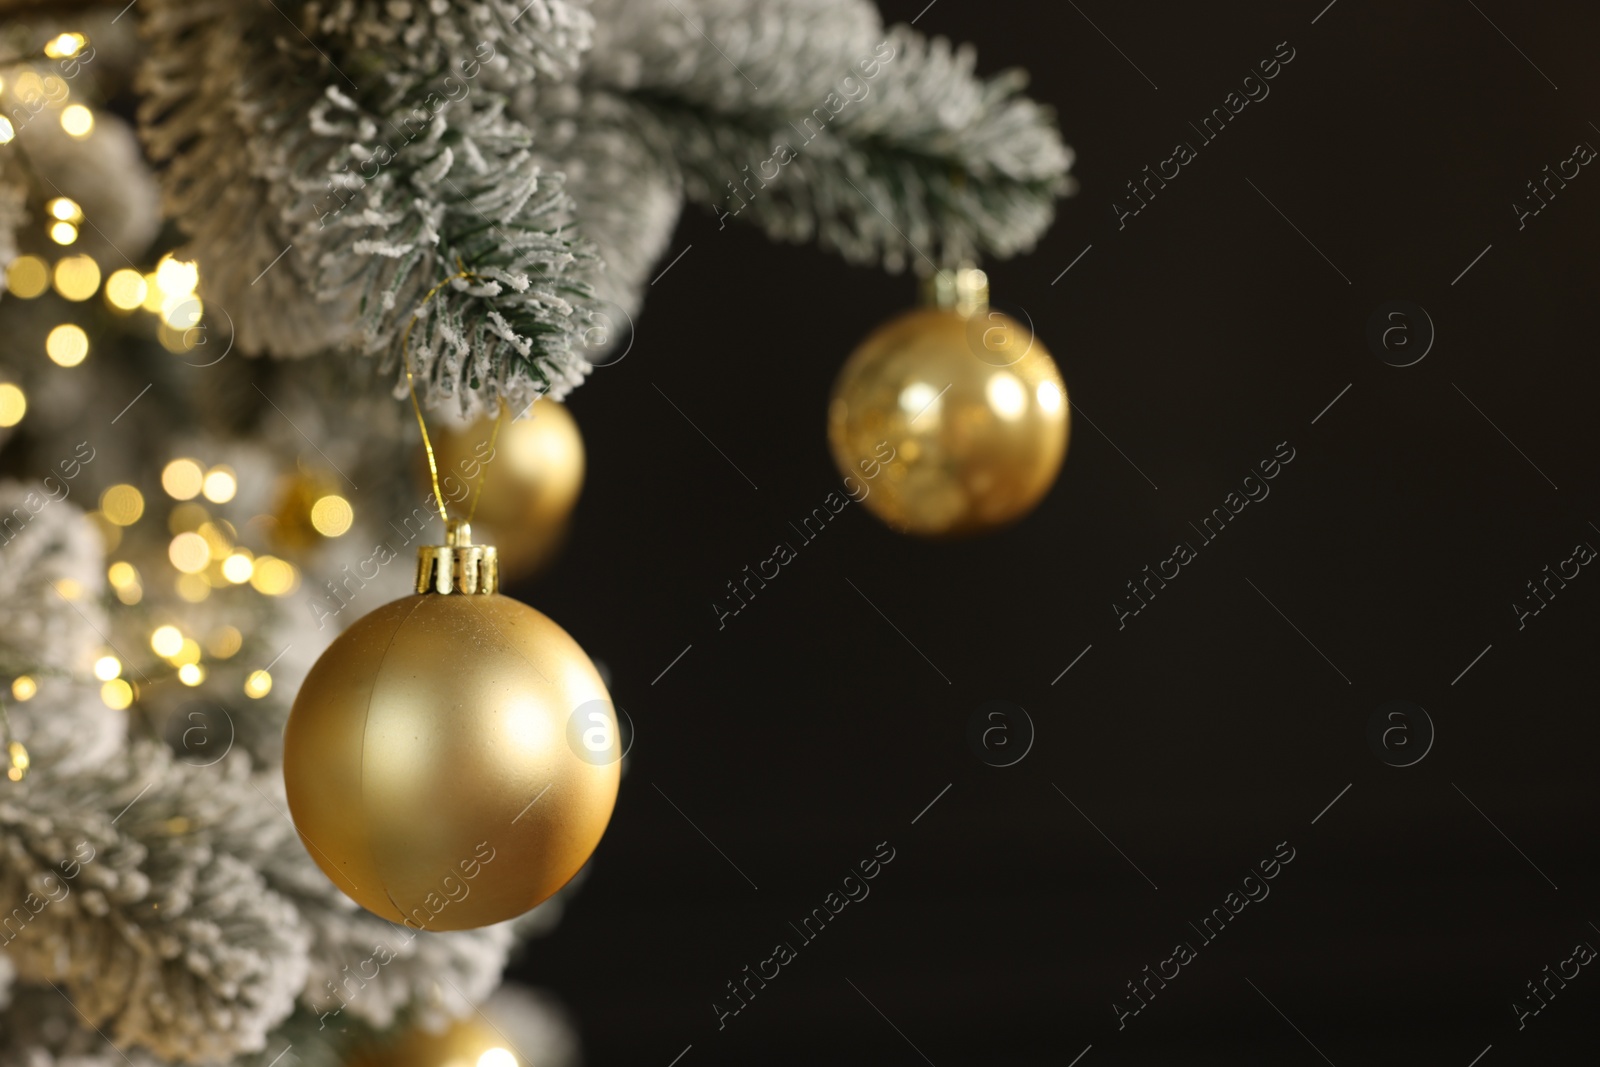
(450, 760)
(951, 423)
(464, 1043)
(534, 474)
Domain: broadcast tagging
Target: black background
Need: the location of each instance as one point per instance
(1209, 730)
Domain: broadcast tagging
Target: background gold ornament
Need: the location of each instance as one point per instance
(428, 758)
(973, 407)
(531, 486)
(464, 1043)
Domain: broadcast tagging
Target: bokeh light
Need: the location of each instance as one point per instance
(192, 587)
(226, 641)
(27, 277)
(126, 289)
(116, 694)
(238, 567)
(107, 668)
(182, 479)
(63, 233)
(24, 687)
(122, 505)
(166, 641)
(189, 553)
(13, 404)
(191, 674)
(77, 120)
(220, 485)
(77, 277)
(65, 208)
(273, 576)
(258, 685)
(332, 516)
(64, 45)
(67, 345)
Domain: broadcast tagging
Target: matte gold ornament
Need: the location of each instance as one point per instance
(960, 406)
(533, 474)
(450, 760)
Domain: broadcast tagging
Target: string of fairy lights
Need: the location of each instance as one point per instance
(204, 553)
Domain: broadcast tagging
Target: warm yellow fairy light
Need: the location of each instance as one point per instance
(107, 668)
(188, 652)
(23, 687)
(258, 685)
(27, 277)
(193, 588)
(182, 313)
(220, 485)
(77, 120)
(20, 761)
(67, 345)
(189, 553)
(124, 578)
(224, 642)
(8, 132)
(182, 479)
(67, 589)
(176, 277)
(191, 674)
(77, 277)
(122, 504)
(126, 289)
(65, 208)
(13, 404)
(67, 44)
(166, 641)
(63, 233)
(238, 567)
(497, 1057)
(116, 694)
(219, 542)
(332, 516)
(273, 576)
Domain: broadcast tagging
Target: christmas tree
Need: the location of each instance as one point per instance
(461, 197)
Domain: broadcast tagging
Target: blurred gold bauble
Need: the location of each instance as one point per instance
(450, 759)
(973, 409)
(535, 473)
(464, 1043)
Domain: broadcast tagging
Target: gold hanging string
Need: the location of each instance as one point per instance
(494, 435)
(416, 406)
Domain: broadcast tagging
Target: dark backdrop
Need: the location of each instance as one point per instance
(1223, 720)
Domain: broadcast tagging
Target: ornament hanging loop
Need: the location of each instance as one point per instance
(964, 290)
(416, 405)
(458, 566)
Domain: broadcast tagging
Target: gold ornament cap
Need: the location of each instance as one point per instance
(964, 291)
(458, 566)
